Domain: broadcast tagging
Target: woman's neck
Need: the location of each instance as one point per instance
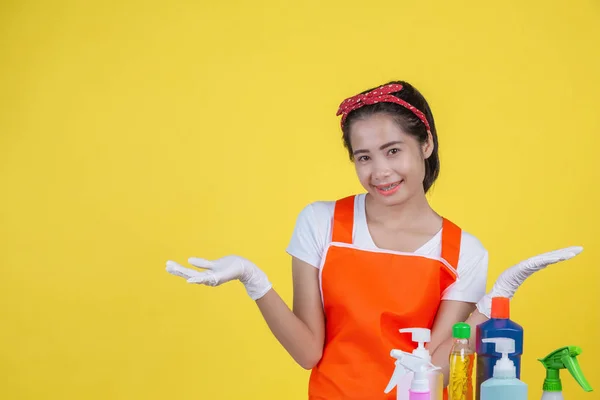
(413, 214)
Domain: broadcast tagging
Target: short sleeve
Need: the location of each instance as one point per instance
(472, 272)
(311, 233)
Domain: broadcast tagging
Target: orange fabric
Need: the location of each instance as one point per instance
(451, 236)
(343, 220)
(367, 297)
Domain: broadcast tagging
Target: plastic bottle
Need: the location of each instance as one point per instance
(420, 368)
(563, 358)
(462, 358)
(504, 384)
(499, 325)
(402, 378)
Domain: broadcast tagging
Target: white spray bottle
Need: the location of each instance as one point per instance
(402, 378)
(419, 388)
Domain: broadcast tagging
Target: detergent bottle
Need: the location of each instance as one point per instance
(504, 384)
(419, 388)
(563, 358)
(499, 325)
(462, 358)
(402, 378)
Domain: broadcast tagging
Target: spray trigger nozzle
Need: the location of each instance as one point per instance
(419, 366)
(563, 358)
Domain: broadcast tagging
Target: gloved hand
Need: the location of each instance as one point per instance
(509, 281)
(224, 270)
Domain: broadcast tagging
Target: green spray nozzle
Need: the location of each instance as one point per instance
(563, 358)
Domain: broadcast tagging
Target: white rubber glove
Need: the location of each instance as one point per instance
(224, 270)
(509, 281)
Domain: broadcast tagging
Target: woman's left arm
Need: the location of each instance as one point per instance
(452, 311)
(459, 302)
(449, 313)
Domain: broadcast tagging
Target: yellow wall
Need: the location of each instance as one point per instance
(136, 132)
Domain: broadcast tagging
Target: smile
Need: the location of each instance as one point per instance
(388, 189)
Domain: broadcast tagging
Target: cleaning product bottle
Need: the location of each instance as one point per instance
(420, 368)
(565, 357)
(460, 386)
(504, 384)
(500, 325)
(436, 377)
(402, 378)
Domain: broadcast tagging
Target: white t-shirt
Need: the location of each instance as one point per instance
(312, 234)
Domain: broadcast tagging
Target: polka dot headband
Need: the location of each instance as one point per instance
(382, 94)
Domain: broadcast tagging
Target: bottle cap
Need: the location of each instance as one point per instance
(461, 330)
(500, 308)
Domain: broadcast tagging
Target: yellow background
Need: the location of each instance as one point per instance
(136, 132)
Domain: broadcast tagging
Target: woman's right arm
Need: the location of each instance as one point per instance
(301, 331)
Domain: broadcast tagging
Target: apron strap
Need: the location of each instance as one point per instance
(451, 236)
(343, 220)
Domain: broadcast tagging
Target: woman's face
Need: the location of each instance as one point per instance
(389, 162)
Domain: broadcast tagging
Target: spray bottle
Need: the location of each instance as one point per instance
(419, 388)
(565, 357)
(504, 383)
(403, 378)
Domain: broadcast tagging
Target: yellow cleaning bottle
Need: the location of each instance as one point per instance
(460, 385)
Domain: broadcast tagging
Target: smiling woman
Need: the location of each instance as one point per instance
(412, 254)
(370, 264)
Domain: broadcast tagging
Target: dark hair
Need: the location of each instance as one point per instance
(407, 121)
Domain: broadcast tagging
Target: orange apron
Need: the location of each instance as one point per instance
(368, 295)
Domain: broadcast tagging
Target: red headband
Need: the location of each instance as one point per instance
(378, 95)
